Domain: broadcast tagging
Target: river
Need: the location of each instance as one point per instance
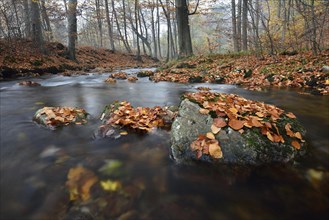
(35, 161)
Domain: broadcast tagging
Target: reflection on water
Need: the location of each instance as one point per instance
(35, 161)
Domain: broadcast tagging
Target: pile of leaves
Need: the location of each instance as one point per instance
(58, 116)
(298, 71)
(132, 78)
(238, 113)
(139, 118)
(119, 75)
(110, 80)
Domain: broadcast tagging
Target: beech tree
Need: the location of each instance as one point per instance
(72, 28)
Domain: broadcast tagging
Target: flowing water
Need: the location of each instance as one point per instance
(35, 161)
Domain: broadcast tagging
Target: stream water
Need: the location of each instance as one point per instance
(35, 161)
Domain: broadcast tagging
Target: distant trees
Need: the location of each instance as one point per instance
(165, 29)
(280, 25)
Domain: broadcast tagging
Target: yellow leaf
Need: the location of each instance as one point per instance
(123, 132)
(259, 114)
(233, 110)
(210, 135)
(215, 129)
(215, 151)
(204, 111)
(110, 185)
(269, 136)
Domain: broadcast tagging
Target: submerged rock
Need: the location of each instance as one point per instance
(195, 137)
(29, 83)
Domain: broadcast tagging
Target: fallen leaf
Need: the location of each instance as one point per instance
(204, 111)
(236, 124)
(110, 185)
(210, 135)
(214, 129)
(219, 122)
(295, 144)
(215, 151)
(290, 115)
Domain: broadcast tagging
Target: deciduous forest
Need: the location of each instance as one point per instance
(164, 109)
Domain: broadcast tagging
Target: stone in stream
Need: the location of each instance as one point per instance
(53, 117)
(247, 147)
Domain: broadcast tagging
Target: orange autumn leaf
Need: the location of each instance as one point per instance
(290, 115)
(236, 124)
(298, 135)
(295, 144)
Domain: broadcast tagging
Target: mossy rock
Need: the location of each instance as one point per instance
(248, 148)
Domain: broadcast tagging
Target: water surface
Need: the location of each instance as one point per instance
(35, 161)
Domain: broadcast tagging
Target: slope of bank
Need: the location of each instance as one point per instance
(286, 71)
(20, 58)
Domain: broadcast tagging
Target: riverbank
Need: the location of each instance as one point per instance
(20, 58)
(302, 70)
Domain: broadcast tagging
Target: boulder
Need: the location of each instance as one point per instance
(247, 147)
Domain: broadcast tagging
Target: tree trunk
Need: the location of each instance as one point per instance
(99, 22)
(239, 24)
(235, 39)
(47, 21)
(109, 25)
(27, 19)
(36, 26)
(138, 55)
(72, 28)
(245, 25)
(155, 46)
(183, 28)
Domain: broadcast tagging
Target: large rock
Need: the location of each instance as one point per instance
(251, 147)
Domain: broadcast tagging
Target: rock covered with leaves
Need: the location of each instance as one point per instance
(53, 117)
(227, 128)
(121, 115)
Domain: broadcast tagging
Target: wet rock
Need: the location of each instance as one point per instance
(325, 69)
(250, 147)
(28, 83)
(195, 79)
(146, 73)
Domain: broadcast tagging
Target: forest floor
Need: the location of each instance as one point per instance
(286, 71)
(302, 70)
(21, 58)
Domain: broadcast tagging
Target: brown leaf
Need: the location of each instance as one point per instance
(219, 122)
(260, 114)
(295, 144)
(198, 154)
(236, 124)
